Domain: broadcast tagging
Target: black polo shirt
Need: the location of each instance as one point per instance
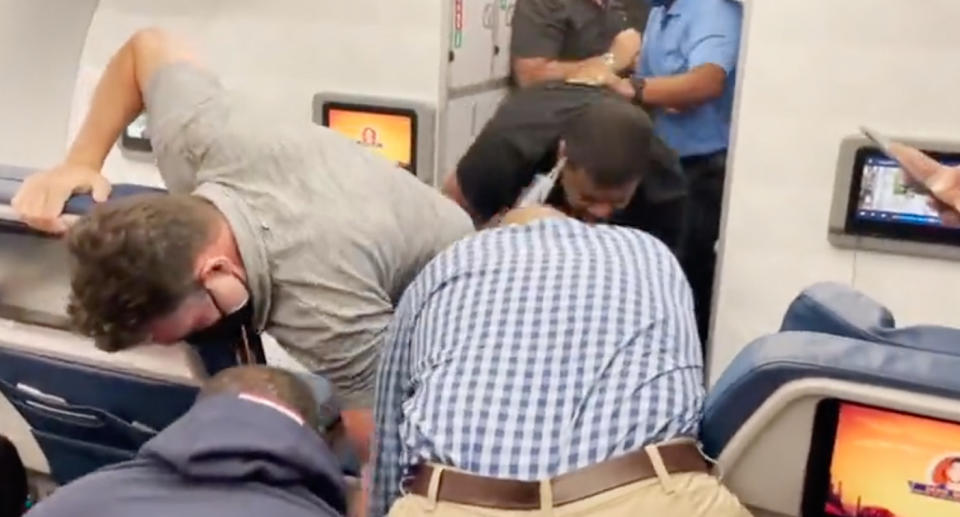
(566, 30)
(522, 139)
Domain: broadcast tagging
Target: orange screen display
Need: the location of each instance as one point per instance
(893, 464)
(388, 134)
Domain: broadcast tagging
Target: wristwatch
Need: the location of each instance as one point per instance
(639, 83)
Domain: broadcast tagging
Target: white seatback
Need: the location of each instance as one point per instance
(765, 462)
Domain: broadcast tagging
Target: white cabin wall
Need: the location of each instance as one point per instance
(812, 72)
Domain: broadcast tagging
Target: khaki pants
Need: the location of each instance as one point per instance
(668, 495)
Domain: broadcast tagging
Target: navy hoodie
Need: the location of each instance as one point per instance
(226, 456)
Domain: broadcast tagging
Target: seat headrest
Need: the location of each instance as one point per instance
(836, 309)
(839, 310)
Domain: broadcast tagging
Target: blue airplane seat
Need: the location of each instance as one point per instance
(83, 416)
(832, 332)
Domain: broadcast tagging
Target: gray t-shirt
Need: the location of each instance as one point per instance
(330, 233)
(566, 30)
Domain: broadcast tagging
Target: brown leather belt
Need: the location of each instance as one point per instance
(506, 494)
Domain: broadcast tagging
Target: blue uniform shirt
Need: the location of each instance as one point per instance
(679, 38)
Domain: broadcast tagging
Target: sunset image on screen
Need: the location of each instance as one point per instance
(389, 135)
(892, 465)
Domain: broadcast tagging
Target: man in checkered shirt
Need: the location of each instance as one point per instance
(546, 365)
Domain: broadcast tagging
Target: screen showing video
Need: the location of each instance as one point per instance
(136, 136)
(888, 464)
(887, 196)
(138, 128)
(390, 134)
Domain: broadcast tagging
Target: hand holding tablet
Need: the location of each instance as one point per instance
(942, 182)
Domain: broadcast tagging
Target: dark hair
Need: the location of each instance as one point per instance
(610, 141)
(133, 261)
(13, 481)
(271, 383)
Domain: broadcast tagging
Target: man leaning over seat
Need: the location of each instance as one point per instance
(271, 224)
(548, 366)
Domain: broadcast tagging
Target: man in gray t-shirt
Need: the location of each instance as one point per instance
(554, 40)
(283, 226)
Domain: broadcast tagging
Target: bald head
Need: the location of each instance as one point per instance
(531, 214)
(274, 384)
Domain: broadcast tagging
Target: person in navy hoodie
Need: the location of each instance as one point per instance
(248, 447)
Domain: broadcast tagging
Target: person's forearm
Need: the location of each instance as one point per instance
(451, 189)
(550, 70)
(116, 102)
(686, 90)
(359, 427)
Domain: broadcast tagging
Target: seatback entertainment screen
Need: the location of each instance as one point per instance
(884, 203)
(881, 463)
(387, 131)
(136, 136)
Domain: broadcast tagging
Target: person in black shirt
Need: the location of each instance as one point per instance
(616, 169)
(13, 481)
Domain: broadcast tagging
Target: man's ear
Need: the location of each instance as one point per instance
(223, 280)
(212, 266)
(220, 265)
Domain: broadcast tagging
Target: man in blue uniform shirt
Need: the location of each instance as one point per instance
(686, 78)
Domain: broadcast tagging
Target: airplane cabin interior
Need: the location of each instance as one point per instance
(833, 358)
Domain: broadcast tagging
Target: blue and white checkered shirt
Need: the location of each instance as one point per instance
(529, 351)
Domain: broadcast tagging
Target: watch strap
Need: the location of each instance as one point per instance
(639, 83)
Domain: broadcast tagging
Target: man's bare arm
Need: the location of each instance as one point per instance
(451, 189)
(532, 70)
(702, 84)
(116, 101)
(118, 98)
